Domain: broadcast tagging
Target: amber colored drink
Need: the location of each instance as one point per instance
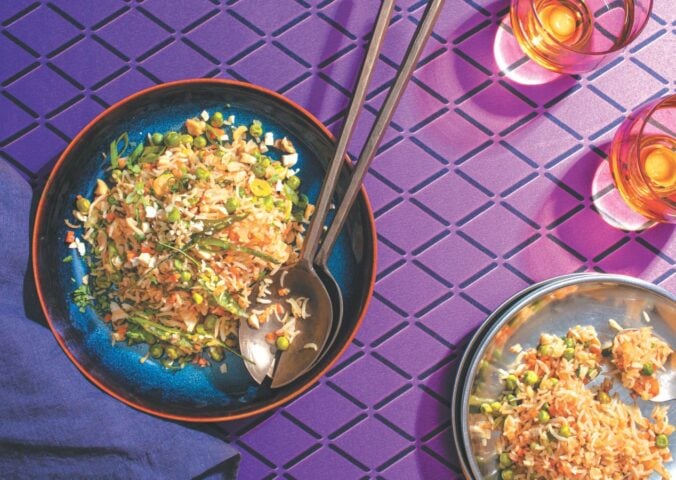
(574, 36)
(643, 160)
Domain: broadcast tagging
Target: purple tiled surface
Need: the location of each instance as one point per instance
(482, 186)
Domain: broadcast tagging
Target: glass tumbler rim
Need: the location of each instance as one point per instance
(648, 110)
(582, 52)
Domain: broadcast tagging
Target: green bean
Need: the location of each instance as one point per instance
(225, 245)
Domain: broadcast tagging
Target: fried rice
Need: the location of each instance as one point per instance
(552, 426)
(182, 229)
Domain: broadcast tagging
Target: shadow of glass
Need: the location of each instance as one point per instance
(600, 231)
(493, 50)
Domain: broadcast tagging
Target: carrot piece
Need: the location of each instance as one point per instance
(70, 236)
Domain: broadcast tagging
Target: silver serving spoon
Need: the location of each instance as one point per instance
(301, 279)
(299, 358)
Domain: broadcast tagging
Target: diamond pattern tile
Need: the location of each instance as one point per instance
(483, 186)
(358, 441)
(140, 34)
(41, 40)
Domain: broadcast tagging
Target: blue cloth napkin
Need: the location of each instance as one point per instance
(53, 422)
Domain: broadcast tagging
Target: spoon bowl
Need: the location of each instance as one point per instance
(301, 281)
(337, 296)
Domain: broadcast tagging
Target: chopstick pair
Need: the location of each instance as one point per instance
(377, 132)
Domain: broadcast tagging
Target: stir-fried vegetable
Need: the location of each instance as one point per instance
(180, 231)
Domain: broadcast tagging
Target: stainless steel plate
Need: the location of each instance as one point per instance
(554, 308)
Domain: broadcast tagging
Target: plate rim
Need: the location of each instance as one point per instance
(463, 366)
(35, 241)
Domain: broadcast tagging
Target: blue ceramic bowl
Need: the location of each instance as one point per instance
(192, 394)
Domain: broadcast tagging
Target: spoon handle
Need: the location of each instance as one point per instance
(314, 231)
(379, 127)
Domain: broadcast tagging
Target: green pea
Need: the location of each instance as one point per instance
(173, 215)
(216, 119)
(172, 139)
(256, 129)
(216, 353)
(264, 161)
(604, 397)
(504, 460)
(496, 406)
(186, 276)
(512, 400)
(530, 377)
(172, 352)
(293, 182)
(510, 382)
(157, 138)
(569, 353)
(282, 343)
(197, 298)
(156, 350)
(231, 205)
(661, 441)
(82, 204)
(116, 175)
(647, 369)
(570, 342)
(186, 139)
(210, 322)
(545, 350)
(268, 203)
(507, 475)
(543, 416)
(564, 431)
(259, 170)
(202, 173)
(200, 142)
(486, 408)
(302, 201)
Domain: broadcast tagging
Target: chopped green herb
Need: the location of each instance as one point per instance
(82, 297)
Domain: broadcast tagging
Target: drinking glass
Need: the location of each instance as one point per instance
(575, 36)
(643, 160)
